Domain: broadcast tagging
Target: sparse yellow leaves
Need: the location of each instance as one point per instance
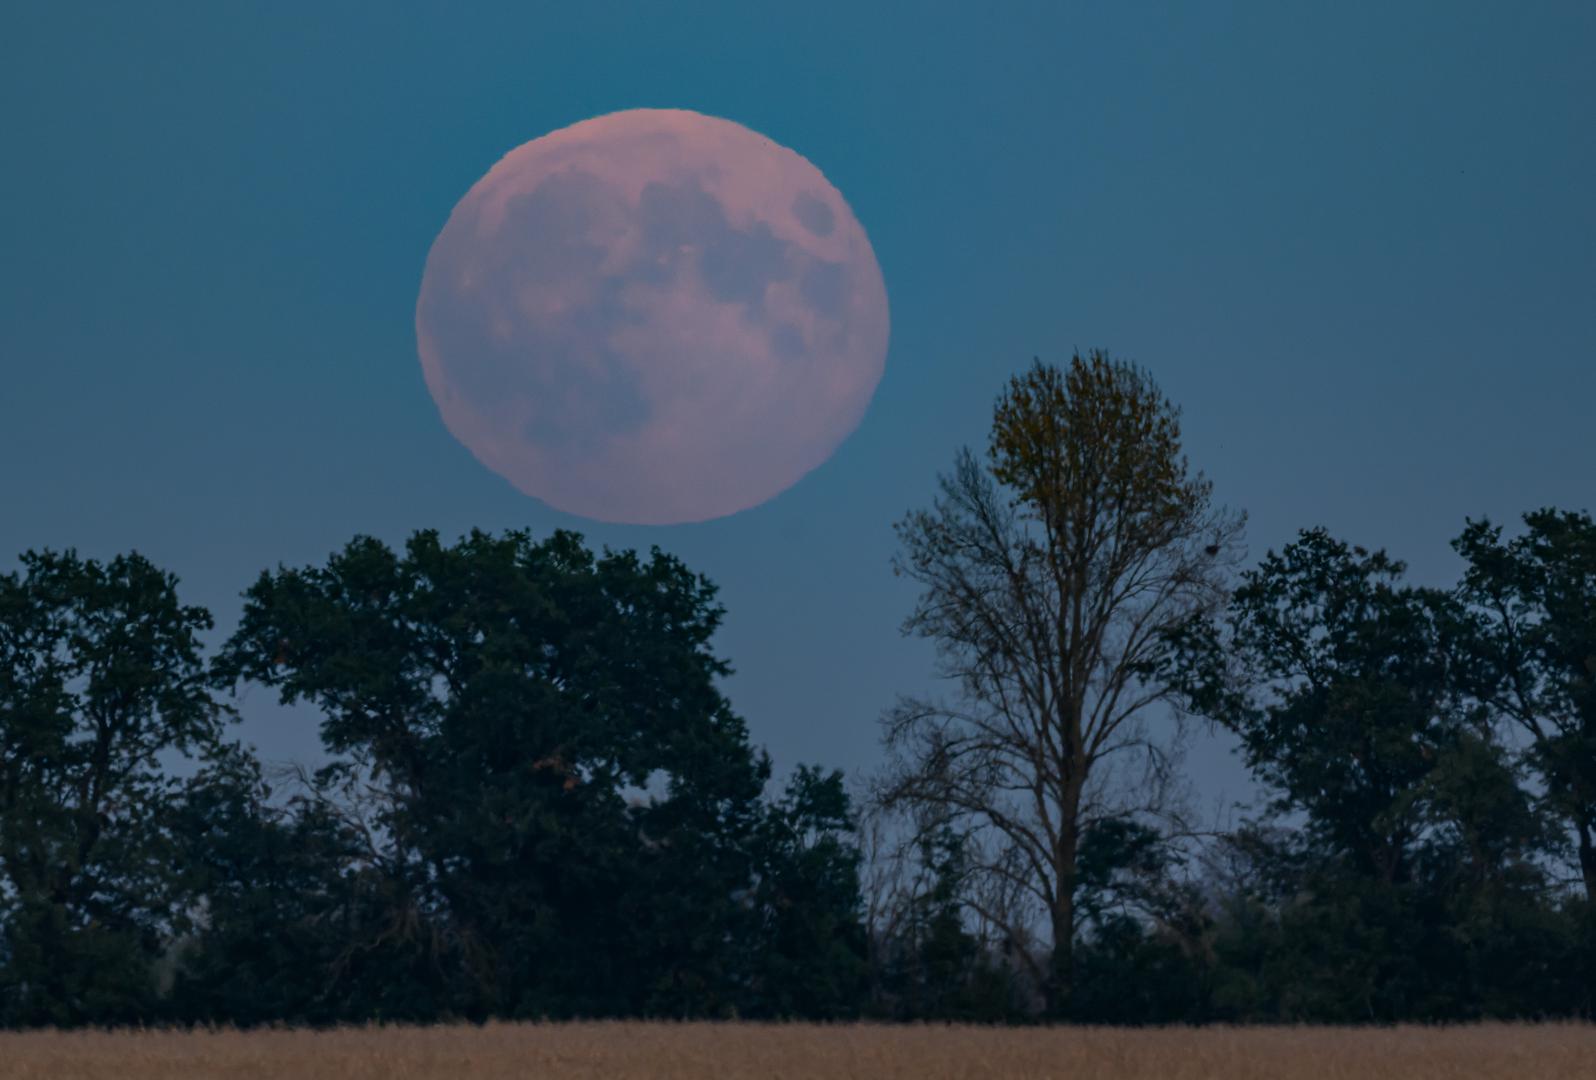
(1091, 447)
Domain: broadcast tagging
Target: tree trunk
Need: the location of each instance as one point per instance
(1061, 967)
(1587, 859)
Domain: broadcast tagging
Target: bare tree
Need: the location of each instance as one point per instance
(1050, 575)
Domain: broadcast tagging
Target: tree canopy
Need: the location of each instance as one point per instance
(557, 810)
(100, 678)
(537, 801)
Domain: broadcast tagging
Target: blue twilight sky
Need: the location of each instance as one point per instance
(1355, 241)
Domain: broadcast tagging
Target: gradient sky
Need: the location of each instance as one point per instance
(1356, 242)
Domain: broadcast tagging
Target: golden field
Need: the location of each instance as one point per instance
(623, 1051)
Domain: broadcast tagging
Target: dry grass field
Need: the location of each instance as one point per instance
(631, 1051)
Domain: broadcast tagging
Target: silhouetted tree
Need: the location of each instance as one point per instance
(1343, 695)
(1535, 643)
(806, 945)
(539, 802)
(1049, 577)
(562, 804)
(100, 677)
(1419, 846)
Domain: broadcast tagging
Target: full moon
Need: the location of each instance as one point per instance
(652, 317)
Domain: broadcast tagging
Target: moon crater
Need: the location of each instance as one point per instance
(653, 316)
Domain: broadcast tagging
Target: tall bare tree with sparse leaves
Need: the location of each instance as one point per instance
(1051, 573)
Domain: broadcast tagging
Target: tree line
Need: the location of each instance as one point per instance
(538, 802)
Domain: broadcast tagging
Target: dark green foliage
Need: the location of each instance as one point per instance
(302, 923)
(927, 963)
(1129, 973)
(1310, 939)
(540, 804)
(1141, 957)
(1534, 599)
(1417, 886)
(1344, 704)
(808, 947)
(100, 675)
(562, 815)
